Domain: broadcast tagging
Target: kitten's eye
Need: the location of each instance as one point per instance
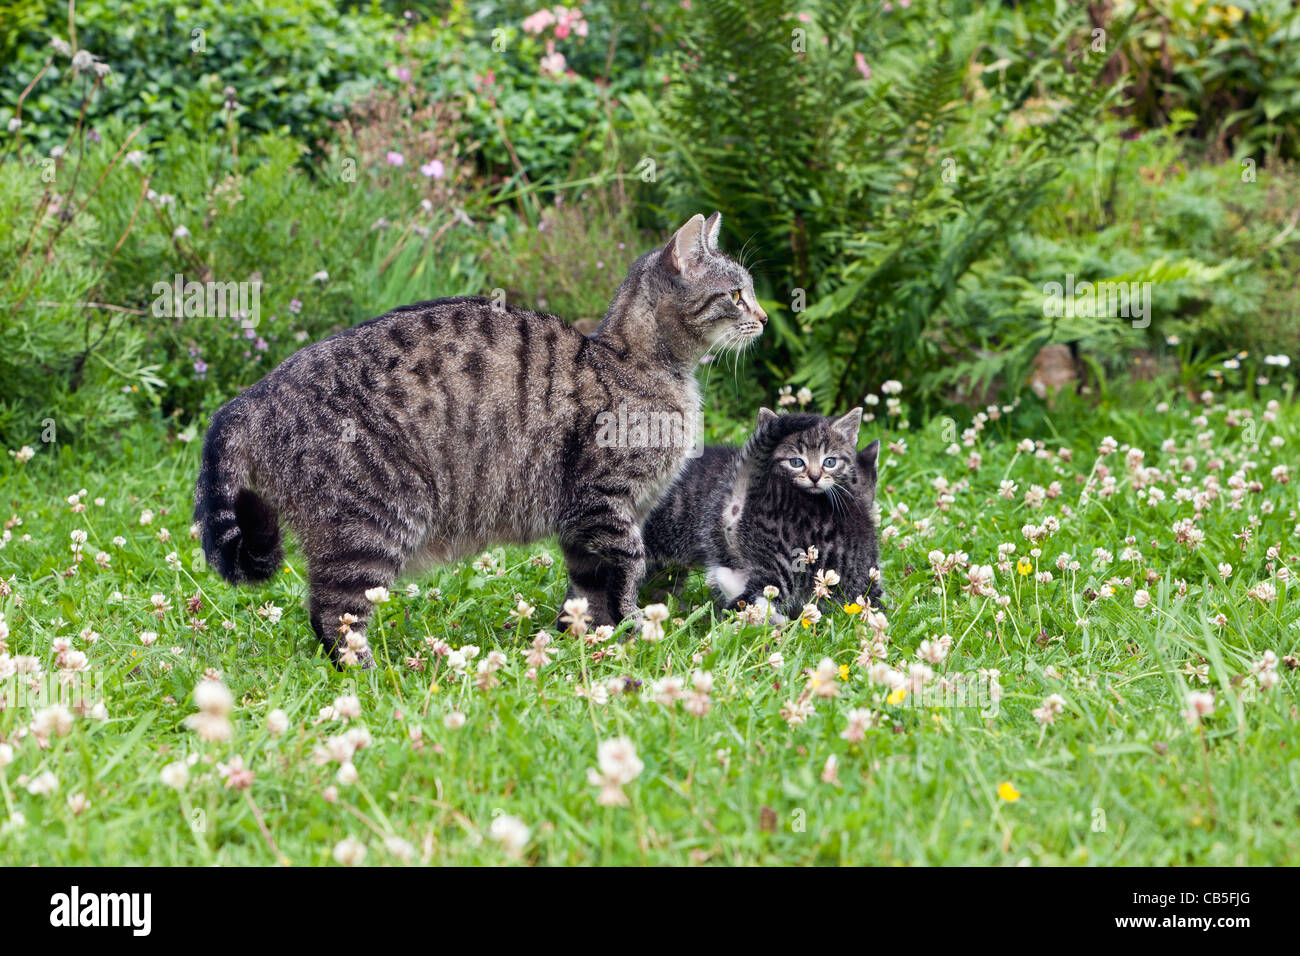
(829, 463)
(735, 296)
(796, 462)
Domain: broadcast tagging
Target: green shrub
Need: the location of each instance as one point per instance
(1236, 68)
(69, 367)
(536, 128)
(328, 248)
(570, 261)
(871, 161)
(292, 64)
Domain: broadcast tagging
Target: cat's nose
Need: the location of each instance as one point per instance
(762, 316)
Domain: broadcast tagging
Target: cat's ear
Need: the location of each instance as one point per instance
(866, 461)
(846, 426)
(686, 251)
(712, 226)
(765, 415)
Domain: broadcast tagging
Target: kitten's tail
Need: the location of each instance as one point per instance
(239, 531)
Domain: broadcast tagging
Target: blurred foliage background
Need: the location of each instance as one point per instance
(903, 178)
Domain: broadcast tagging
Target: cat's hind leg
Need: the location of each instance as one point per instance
(339, 608)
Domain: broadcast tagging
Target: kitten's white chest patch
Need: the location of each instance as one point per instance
(728, 581)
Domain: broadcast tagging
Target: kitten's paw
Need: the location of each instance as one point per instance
(770, 613)
(761, 611)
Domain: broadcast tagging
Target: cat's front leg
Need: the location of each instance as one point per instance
(606, 561)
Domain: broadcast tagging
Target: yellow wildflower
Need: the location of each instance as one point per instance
(1024, 566)
(1008, 792)
(896, 696)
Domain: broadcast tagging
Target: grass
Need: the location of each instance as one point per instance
(1119, 777)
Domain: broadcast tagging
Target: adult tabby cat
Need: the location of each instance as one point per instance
(438, 429)
(748, 515)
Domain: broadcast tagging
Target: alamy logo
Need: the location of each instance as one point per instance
(76, 909)
(1098, 300)
(193, 299)
(642, 428)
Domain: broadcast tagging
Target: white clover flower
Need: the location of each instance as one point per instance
(43, 784)
(349, 852)
(176, 775)
(511, 832)
(211, 696)
(347, 706)
(277, 722)
(52, 721)
(1199, 704)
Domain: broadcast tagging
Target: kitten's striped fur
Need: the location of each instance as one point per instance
(438, 429)
(743, 513)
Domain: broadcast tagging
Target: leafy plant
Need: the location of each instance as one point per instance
(296, 64)
(876, 161)
(1235, 67)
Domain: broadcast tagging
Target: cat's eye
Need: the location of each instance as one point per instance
(735, 296)
(829, 463)
(796, 462)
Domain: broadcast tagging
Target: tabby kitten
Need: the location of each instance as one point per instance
(438, 429)
(748, 515)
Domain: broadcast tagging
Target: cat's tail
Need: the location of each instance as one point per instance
(239, 531)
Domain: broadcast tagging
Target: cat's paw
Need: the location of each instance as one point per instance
(770, 613)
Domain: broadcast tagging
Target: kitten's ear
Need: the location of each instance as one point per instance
(765, 415)
(712, 226)
(846, 426)
(686, 250)
(866, 461)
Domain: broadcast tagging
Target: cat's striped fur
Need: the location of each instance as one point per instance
(438, 429)
(746, 514)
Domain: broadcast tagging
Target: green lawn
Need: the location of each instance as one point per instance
(1120, 776)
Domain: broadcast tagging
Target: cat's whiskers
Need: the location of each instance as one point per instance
(713, 352)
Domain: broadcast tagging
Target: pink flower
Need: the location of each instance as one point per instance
(434, 169)
(860, 63)
(538, 22)
(552, 64)
(395, 158)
